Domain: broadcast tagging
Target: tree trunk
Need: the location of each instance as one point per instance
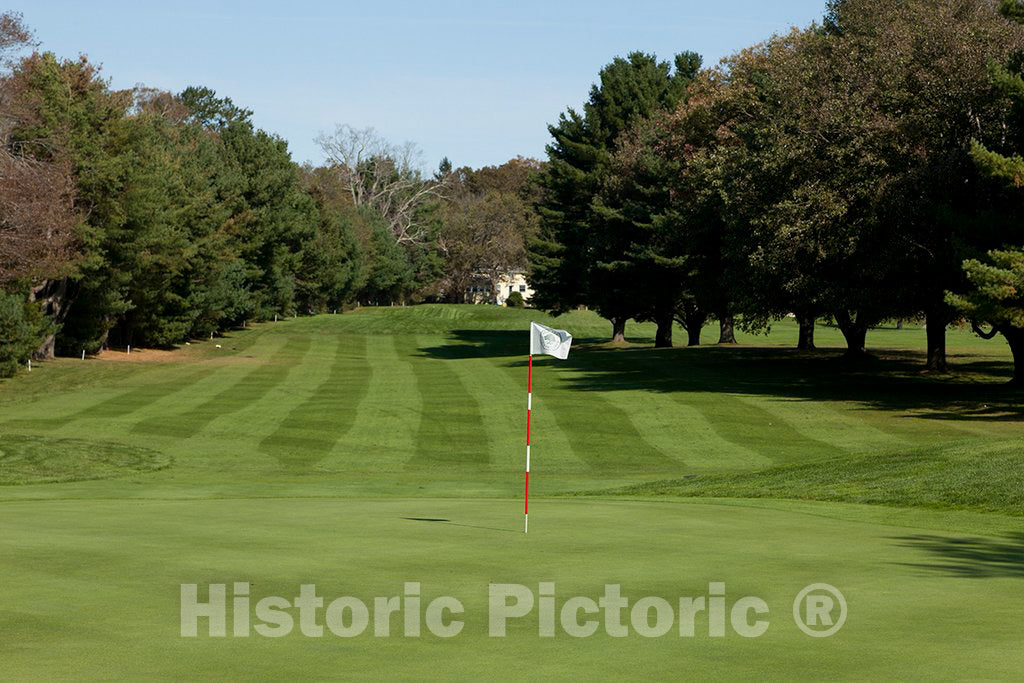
(694, 321)
(1015, 338)
(693, 337)
(726, 330)
(663, 337)
(619, 329)
(855, 334)
(806, 339)
(935, 329)
(46, 349)
(53, 294)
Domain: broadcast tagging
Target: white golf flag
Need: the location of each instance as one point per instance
(548, 341)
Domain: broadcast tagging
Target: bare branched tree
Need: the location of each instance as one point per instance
(14, 37)
(383, 176)
(37, 218)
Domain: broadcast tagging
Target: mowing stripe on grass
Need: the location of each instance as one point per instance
(254, 385)
(915, 426)
(141, 398)
(498, 381)
(135, 387)
(383, 434)
(310, 430)
(451, 428)
(156, 418)
(829, 421)
(503, 388)
(553, 458)
(603, 435)
(502, 428)
(679, 430)
(124, 403)
(738, 420)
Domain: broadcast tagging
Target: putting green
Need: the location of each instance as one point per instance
(92, 587)
(360, 452)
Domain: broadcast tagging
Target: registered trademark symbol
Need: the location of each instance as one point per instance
(815, 610)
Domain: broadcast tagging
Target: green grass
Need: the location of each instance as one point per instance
(312, 451)
(34, 459)
(94, 588)
(964, 476)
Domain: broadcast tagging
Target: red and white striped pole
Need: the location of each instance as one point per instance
(529, 413)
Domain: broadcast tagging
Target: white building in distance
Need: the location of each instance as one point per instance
(482, 291)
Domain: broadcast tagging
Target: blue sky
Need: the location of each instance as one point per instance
(476, 81)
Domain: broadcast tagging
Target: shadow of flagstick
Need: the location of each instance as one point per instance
(449, 522)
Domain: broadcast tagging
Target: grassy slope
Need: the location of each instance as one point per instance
(299, 452)
(428, 400)
(967, 476)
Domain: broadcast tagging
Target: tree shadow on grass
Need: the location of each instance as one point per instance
(972, 558)
(891, 380)
(490, 344)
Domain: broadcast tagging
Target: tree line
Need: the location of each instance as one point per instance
(143, 217)
(862, 169)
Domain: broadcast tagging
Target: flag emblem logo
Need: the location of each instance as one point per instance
(548, 341)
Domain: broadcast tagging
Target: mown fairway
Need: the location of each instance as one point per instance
(361, 451)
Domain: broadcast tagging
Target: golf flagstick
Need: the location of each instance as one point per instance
(529, 413)
(550, 342)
